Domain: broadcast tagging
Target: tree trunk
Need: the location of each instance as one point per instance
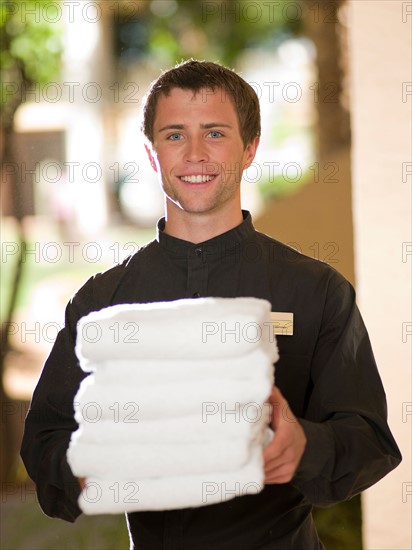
(8, 458)
(328, 34)
(322, 26)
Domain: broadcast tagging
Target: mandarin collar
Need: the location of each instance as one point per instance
(229, 238)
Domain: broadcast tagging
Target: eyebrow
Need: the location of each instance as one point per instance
(202, 126)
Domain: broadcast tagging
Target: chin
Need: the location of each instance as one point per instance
(193, 208)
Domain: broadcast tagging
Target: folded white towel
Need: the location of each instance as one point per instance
(157, 459)
(201, 328)
(94, 402)
(174, 413)
(254, 365)
(214, 424)
(119, 494)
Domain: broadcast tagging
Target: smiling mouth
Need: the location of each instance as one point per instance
(197, 178)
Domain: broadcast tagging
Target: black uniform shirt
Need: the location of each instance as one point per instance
(326, 372)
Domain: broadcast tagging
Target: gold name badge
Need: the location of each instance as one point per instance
(282, 322)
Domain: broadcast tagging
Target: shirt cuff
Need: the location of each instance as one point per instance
(319, 453)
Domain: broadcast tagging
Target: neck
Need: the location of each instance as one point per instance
(199, 227)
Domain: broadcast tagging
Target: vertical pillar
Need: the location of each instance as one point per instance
(381, 101)
(87, 57)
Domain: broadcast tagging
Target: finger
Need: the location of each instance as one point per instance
(275, 453)
(281, 474)
(284, 478)
(279, 462)
(278, 403)
(281, 442)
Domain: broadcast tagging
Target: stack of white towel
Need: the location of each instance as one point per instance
(174, 412)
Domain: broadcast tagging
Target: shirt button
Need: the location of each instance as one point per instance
(196, 295)
(198, 251)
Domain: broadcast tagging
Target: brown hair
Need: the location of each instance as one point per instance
(197, 75)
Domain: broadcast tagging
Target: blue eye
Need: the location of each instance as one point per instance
(215, 134)
(175, 137)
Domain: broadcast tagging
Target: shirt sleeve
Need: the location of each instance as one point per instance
(50, 420)
(349, 444)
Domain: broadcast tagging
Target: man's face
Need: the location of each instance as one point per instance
(198, 151)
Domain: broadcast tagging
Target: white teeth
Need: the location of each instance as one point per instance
(196, 179)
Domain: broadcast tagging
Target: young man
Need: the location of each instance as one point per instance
(331, 438)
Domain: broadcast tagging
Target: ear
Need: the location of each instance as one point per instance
(151, 158)
(250, 152)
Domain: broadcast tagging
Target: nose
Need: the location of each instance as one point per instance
(196, 150)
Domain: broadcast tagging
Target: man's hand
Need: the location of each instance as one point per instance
(283, 454)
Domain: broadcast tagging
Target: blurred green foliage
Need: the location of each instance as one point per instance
(31, 48)
(27, 528)
(340, 526)
(218, 30)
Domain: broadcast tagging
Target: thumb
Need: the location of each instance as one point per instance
(276, 401)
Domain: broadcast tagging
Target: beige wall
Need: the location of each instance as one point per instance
(380, 56)
(317, 220)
